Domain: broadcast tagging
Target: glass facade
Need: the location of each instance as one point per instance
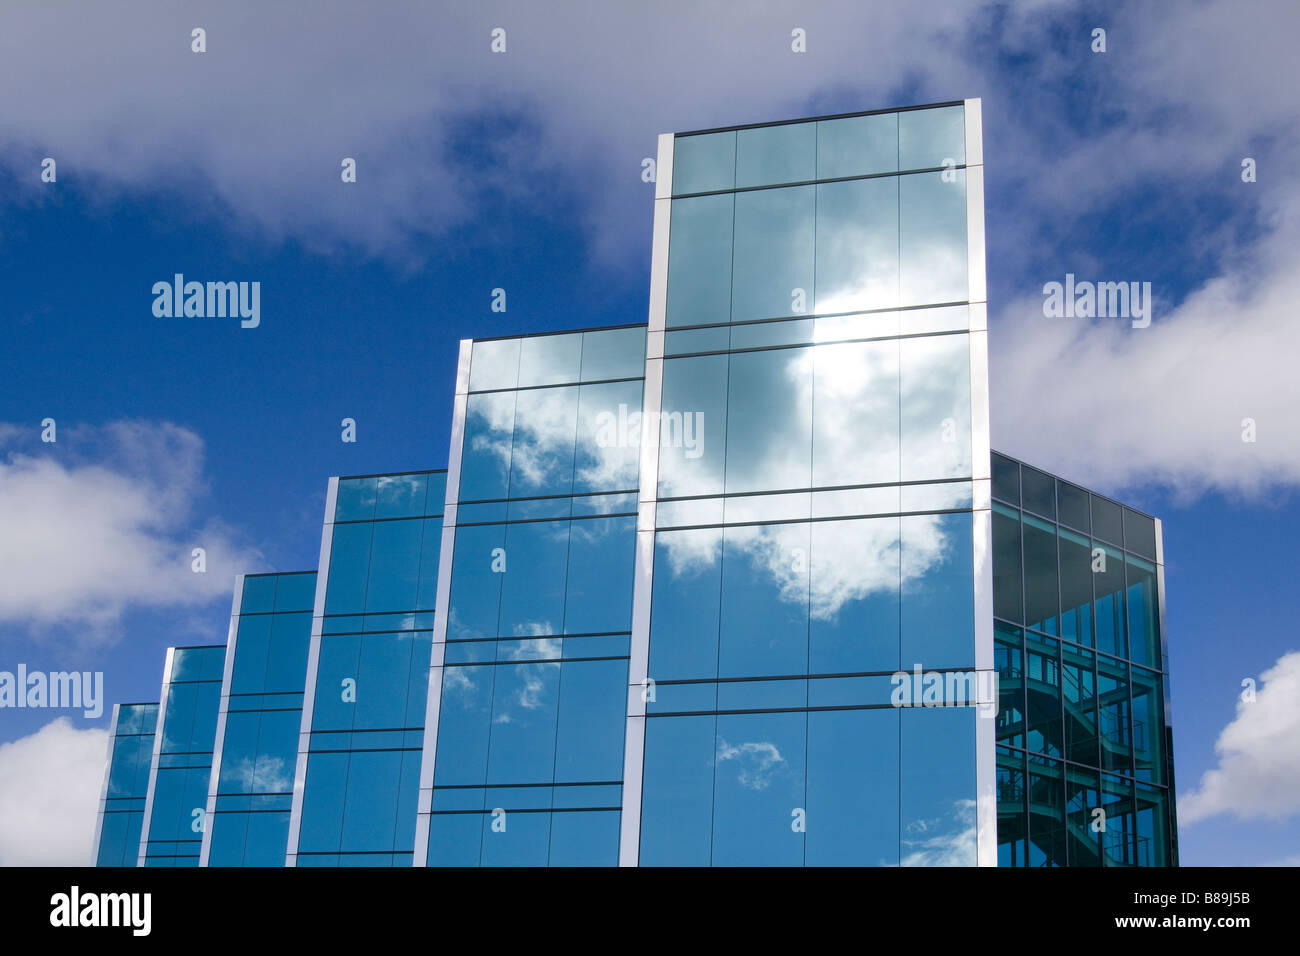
(250, 795)
(1084, 757)
(126, 784)
(530, 666)
(176, 805)
(813, 532)
(742, 586)
(369, 653)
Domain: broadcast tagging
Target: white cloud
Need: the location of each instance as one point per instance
(1111, 405)
(1258, 775)
(102, 520)
(942, 841)
(258, 125)
(49, 795)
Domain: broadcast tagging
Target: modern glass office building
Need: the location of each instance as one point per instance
(742, 585)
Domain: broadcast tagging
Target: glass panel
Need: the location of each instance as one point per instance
(1008, 656)
(1108, 588)
(699, 261)
(546, 427)
(1040, 575)
(854, 596)
(1013, 815)
(695, 389)
(550, 359)
(857, 146)
(1152, 826)
(931, 138)
(1080, 707)
(855, 414)
(464, 725)
(591, 721)
(685, 604)
(400, 496)
(1008, 595)
(759, 790)
(455, 839)
(394, 565)
(1107, 520)
(938, 616)
(677, 794)
(370, 808)
(1148, 726)
(1083, 822)
(852, 789)
(1047, 813)
(1113, 722)
(857, 245)
(1118, 839)
(1140, 534)
(584, 839)
(1006, 479)
(935, 405)
(761, 334)
(769, 421)
(1076, 587)
(764, 601)
(937, 786)
(489, 427)
(1143, 609)
(704, 163)
(532, 590)
(714, 339)
(609, 437)
(1039, 491)
(494, 364)
(524, 705)
(776, 154)
(932, 239)
(773, 273)
(1043, 693)
(252, 641)
(479, 564)
(598, 587)
(613, 353)
(259, 593)
(1072, 504)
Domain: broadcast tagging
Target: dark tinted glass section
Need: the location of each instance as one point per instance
(1139, 534)
(1072, 506)
(1006, 479)
(1040, 575)
(1008, 595)
(1039, 492)
(1107, 522)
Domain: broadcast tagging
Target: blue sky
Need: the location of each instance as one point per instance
(522, 171)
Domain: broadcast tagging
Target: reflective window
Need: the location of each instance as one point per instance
(773, 272)
(704, 163)
(768, 155)
(855, 414)
(938, 614)
(932, 239)
(935, 407)
(699, 260)
(857, 146)
(1143, 611)
(930, 138)
(769, 420)
(853, 788)
(936, 782)
(857, 245)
